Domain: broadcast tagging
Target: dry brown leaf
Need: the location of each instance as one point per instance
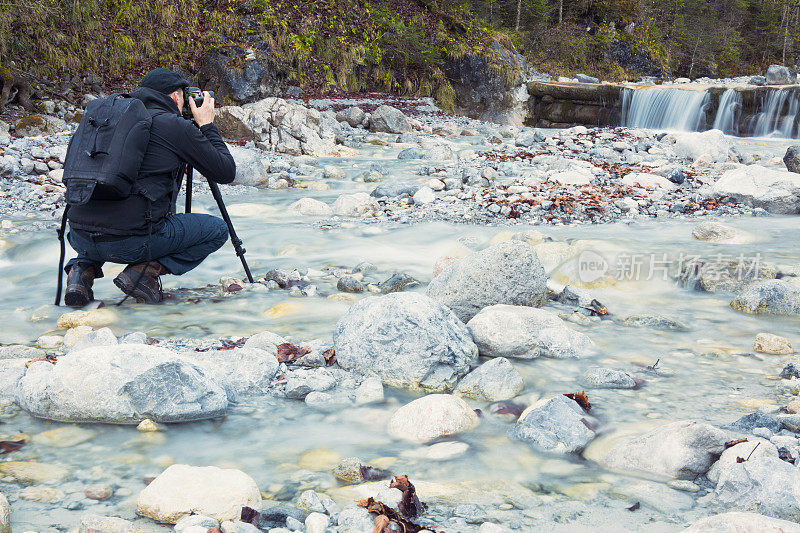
(288, 352)
(581, 398)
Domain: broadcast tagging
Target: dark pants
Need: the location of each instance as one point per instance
(181, 244)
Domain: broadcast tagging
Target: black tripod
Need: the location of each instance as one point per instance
(235, 240)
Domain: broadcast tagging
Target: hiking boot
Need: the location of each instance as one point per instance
(79, 285)
(142, 282)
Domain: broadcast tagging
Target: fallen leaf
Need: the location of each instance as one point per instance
(330, 356)
(8, 446)
(379, 508)
(634, 507)
(581, 398)
(250, 516)
(381, 523)
(288, 352)
(409, 504)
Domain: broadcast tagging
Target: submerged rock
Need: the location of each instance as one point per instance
(494, 380)
(681, 450)
(122, 384)
(773, 297)
(608, 378)
(182, 490)
(653, 321)
(557, 424)
(723, 275)
(772, 344)
(711, 231)
(406, 339)
(506, 273)
(432, 417)
(525, 333)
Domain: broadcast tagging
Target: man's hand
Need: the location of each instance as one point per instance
(205, 113)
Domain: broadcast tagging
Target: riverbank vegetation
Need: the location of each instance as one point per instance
(399, 45)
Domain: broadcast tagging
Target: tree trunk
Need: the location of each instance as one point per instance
(560, 11)
(519, 11)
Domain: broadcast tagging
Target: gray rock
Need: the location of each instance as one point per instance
(574, 295)
(758, 80)
(751, 449)
(763, 484)
(250, 169)
(494, 380)
(792, 159)
(34, 125)
(390, 120)
(355, 520)
(301, 382)
(349, 284)
(653, 321)
(394, 189)
(682, 450)
(557, 425)
(406, 339)
(529, 138)
(608, 378)
(195, 520)
(91, 523)
(137, 337)
(242, 370)
(99, 337)
(780, 75)
(711, 231)
(771, 297)
(19, 351)
(749, 422)
(409, 153)
(352, 115)
(583, 78)
(723, 275)
(120, 385)
(676, 176)
(506, 273)
(526, 332)
(398, 282)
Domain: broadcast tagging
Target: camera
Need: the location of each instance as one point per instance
(195, 93)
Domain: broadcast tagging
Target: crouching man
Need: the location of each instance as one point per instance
(143, 230)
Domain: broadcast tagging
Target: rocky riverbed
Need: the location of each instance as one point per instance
(429, 287)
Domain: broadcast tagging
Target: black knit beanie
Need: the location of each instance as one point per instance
(163, 80)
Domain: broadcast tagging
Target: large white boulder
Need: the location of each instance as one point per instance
(506, 273)
(494, 380)
(354, 205)
(120, 384)
(389, 119)
(738, 522)
(310, 207)
(525, 333)
(692, 145)
(777, 191)
(432, 417)
(182, 490)
(250, 168)
(681, 450)
(406, 339)
(557, 425)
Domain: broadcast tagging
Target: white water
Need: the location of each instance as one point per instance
(778, 116)
(730, 106)
(665, 109)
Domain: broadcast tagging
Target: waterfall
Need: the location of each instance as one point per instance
(666, 109)
(730, 106)
(777, 115)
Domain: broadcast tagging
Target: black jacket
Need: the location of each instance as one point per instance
(174, 142)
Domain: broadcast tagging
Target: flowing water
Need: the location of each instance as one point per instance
(665, 109)
(730, 107)
(710, 362)
(778, 115)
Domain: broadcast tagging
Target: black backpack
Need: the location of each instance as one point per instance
(104, 156)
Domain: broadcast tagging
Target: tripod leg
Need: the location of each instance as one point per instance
(237, 243)
(189, 176)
